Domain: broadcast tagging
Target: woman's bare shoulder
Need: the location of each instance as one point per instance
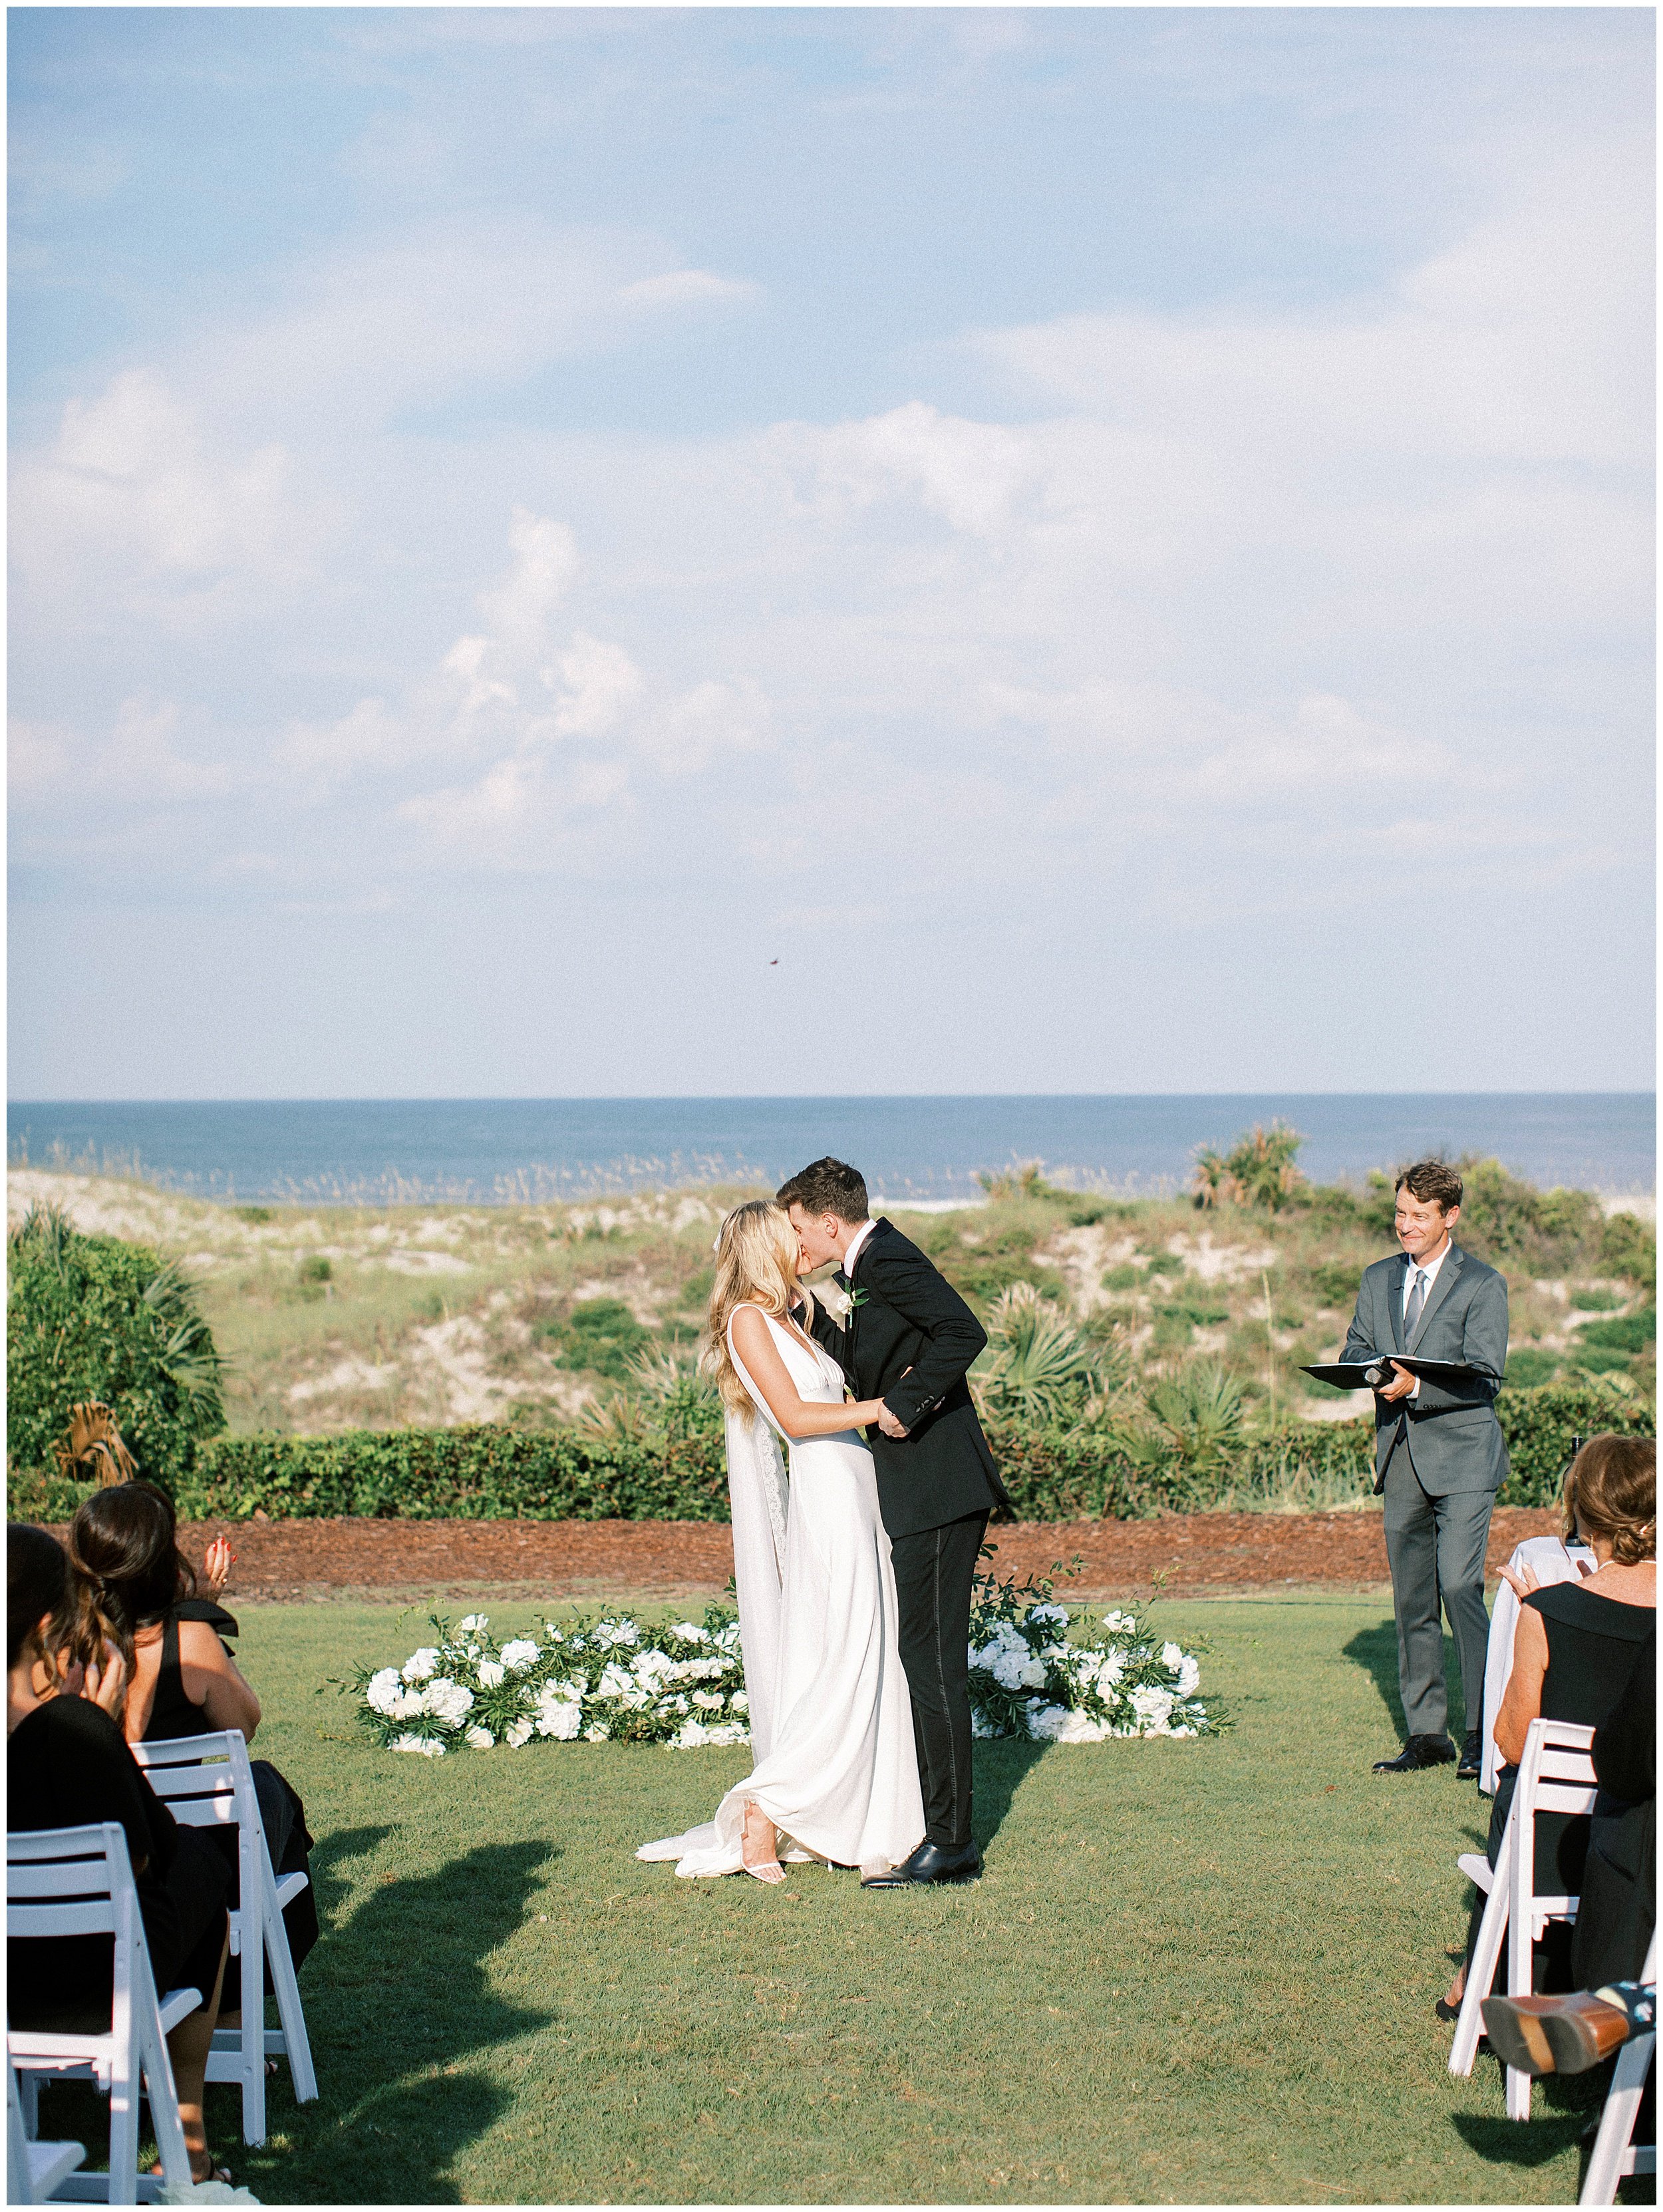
(199, 1646)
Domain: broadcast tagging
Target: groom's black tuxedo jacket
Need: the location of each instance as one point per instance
(910, 1341)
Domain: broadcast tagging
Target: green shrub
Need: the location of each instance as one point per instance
(1528, 1368)
(1594, 1301)
(1630, 1333)
(1538, 1425)
(1125, 1277)
(1335, 1282)
(317, 1269)
(1258, 1170)
(1628, 1247)
(1165, 1263)
(90, 1317)
(600, 1336)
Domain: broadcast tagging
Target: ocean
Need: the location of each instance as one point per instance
(500, 1151)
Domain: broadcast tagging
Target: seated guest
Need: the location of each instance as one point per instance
(184, 1681)
(68, 1764)
(1618, 1910)
(1574, 1651)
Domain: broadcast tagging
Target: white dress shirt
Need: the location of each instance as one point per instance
(852, 1246)
(1429, 1269)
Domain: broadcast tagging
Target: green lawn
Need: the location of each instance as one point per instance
(1193, 1972)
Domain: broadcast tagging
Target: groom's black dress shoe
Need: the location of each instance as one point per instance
(1472, 1760)
(1419, 1751)
(929, 1863)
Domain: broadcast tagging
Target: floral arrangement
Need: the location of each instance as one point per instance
(604, 1682)
(1043, 1671)
(1038, 1670)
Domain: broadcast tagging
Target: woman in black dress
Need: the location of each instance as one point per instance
(184, 1680)
(68, 1764)
(1574, 1652)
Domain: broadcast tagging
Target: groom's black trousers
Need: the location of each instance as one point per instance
(933, 1572)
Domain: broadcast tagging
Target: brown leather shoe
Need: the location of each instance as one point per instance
(1555, 2035)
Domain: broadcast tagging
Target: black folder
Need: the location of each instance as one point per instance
(1363, 1374)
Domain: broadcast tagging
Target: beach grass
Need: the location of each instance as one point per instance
(1192, 1972)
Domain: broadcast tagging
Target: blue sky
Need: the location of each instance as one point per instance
(1112, 545)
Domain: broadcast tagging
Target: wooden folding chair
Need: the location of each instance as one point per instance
(1615, 2154)
(1556, 1775)
(34, 2170)
(79, 1881)
(206, 1781)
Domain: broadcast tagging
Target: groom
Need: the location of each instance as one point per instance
(906, 1336)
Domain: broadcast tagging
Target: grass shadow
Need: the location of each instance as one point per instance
(1000, 1767)
(338, 1850)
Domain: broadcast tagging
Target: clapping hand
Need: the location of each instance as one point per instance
(218, 1564)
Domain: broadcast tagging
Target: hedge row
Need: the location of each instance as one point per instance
(490, 1474)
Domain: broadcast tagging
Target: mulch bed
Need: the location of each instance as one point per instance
(1198, 1554)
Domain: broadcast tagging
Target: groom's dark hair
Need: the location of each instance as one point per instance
(829, 1186)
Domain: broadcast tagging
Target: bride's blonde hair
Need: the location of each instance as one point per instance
(755, 1265)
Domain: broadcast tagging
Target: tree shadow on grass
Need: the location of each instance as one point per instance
(1000, 1769)
(1376, 1651)
(336, 1850)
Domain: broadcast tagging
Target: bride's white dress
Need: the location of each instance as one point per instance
(831, 1719)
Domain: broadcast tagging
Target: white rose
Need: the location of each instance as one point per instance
(421, 1664)
(519, 1732)
(740, 1702)
(383, 1690)
(480, 1738)
(1032, 1676)
(491, 1672)
(1172, 1654)
(519, 1651)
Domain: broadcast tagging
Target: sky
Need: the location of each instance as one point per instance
(568, 552)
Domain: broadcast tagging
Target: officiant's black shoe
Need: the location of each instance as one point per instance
(1472, 1765)
(1419, 1751)
(929, 1863)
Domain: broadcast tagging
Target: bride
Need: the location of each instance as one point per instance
(836, 1777)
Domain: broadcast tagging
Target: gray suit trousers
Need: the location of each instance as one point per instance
(1435, 1547)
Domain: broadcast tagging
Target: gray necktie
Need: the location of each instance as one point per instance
(1411, 1312)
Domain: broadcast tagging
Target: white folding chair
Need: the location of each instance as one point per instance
(34, 2170)
(79, 1881)
(1614, 2154)
(1556, 1775)
(1549, 1561)
(206, 1781)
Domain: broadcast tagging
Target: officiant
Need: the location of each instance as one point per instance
(1440, 1455)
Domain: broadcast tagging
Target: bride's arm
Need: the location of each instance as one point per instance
(799, 1417)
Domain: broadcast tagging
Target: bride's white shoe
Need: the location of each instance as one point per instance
(759, 1846)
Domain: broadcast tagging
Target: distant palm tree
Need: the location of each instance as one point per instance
(1259, 1170)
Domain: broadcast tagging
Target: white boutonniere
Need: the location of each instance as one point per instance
(838, 1303)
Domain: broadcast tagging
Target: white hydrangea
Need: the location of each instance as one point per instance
(480, 1738)
(384, 1690)
(1080, 1727)
(429, 1747)
(558, 1717)
(448, 1701)
(517, 1653)
(491, 1672)
(689, 1634)
(1046, 1722)
(1047, 1616)
(689, 1735)
(1153, 1708)
(519, 1732)
(421, 1664)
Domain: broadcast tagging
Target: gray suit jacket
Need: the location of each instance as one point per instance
(1452, 1436)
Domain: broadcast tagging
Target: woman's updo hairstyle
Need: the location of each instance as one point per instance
(124, 1540)
(37, 1585)
(1610, 1489)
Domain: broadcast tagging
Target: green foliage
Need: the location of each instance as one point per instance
(90, 1317)
(1023, 1181)
(1259, 1170)
(1164, 1263)
(1125, 1277)
(317, 1269)
(1538, 1425)
(1628, 1332)
(600, 1336)
(1530, 1367)
(1039, 1367)
(1594, 1301)
(1628, 1247)
(1335, 1282)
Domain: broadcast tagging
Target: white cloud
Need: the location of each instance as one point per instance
(137, 762)
(136, 497)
